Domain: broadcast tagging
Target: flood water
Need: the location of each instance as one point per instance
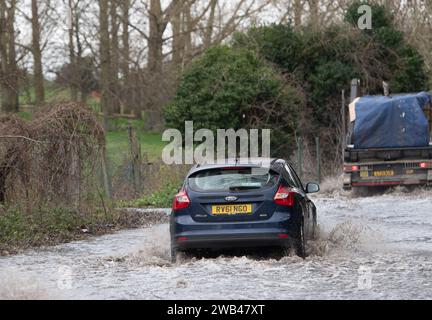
(377, 247)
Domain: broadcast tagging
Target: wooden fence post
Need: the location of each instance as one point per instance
(300, 157)
(105, 176)
(136, 159)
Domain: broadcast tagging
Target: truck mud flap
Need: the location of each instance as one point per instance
(347, 182)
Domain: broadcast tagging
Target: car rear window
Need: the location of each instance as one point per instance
(233, 179)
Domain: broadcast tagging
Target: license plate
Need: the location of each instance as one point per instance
(387, 173)
(232, 209)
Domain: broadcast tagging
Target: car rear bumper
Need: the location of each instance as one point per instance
(250, 240)
(278, 231)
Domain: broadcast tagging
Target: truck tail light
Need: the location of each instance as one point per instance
(425, 165)
(351, 168)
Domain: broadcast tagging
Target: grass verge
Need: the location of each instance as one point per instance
(51, 226)
(162, 198)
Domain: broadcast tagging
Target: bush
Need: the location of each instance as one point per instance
(275, 43)
(323, 63)
(407, 67)
(230, 88)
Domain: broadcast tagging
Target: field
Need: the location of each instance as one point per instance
(118, 145)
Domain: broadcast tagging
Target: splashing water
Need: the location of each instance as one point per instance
(15, 285)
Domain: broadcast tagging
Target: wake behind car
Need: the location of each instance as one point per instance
(243, 206)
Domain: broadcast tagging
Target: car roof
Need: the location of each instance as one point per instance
(230, 163)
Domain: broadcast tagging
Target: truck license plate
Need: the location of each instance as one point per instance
(386, 173)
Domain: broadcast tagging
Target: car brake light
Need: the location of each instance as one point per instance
(181, 200)
(284, 197)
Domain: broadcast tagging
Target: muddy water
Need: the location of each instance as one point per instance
(369, 248)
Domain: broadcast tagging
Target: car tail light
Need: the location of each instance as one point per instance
(181, 200)
(284, 197)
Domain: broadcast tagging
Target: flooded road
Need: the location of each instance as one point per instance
(369, 248)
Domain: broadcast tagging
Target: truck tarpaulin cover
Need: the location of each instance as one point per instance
(391, 122)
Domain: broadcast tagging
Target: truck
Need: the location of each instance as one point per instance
(387, 139)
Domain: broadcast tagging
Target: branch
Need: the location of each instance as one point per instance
(20, 137)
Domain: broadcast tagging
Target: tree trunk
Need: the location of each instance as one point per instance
(105, 59)
(9, 70)
(80, 64)
(72, 55)
(178, 40)
(298, 13)
(125, 40)
(115, 60)
(210, 24)
(37, 55)
(314, 14)
(125, 56)
(188, 27)
(155, 43)
(3, 48)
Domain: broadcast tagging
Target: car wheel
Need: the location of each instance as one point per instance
(301, 241)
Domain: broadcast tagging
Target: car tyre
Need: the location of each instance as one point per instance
(300, 243)
(315, 228)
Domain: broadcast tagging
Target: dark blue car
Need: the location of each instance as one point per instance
(243, 206)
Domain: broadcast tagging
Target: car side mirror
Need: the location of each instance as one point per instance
(312, 188)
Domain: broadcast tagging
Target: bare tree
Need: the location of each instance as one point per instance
(125, 54)
(72, 27)
(298, 8)
(115, 57)
(105, 59)
(9, 69)
(159, 19)
(37, 55)
(314, 20)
